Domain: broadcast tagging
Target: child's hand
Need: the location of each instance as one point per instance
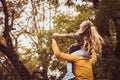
(54, 35)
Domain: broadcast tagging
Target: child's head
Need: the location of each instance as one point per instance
(92, 38)
(85, 25)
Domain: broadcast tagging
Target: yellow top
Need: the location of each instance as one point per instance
(82, 66)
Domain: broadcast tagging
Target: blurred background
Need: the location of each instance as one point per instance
(26, 27)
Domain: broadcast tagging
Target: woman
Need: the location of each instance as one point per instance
(82, 64)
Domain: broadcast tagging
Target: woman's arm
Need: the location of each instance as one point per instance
(68, 57)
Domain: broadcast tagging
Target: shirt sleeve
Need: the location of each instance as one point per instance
(65, 56)
(73, 35)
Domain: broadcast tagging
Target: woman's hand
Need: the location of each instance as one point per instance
(55, 35)
(53, 41)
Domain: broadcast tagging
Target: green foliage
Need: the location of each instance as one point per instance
(62, 22)
(45, 47)
(29, 58)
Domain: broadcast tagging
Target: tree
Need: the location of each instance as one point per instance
(8, 49)
(31, 29)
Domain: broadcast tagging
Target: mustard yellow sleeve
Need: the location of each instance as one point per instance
(94, 57)
(65, 56)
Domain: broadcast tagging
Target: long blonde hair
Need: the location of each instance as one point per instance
(92, 39)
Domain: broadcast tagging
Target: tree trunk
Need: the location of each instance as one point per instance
(44, 74)
(117, 50)
(19, 66)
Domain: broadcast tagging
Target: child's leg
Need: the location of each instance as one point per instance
(69, 67)
(69, 74)
(72, 48)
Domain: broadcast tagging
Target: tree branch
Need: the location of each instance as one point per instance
(6, 34)
(11, 25)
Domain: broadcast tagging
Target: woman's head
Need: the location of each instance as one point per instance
(92, 38)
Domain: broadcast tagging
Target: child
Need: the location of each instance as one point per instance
(82, 47)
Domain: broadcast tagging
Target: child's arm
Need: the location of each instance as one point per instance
(55, 35)
(70, 35)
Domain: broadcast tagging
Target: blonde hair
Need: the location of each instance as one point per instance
(92, 39)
